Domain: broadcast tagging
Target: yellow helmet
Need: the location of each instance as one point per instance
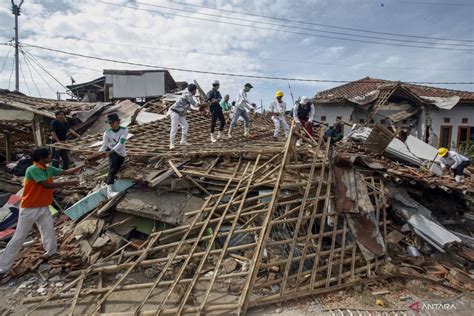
(279, 93)
(442, 152)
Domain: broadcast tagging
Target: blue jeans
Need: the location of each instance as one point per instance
(238, 113)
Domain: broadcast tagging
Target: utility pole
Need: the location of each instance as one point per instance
(16, 12)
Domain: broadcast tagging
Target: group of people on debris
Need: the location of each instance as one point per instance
(38, 187)
(303, 113)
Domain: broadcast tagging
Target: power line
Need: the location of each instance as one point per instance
(319, 24)
(246, 57)
(24, 80)
(308, 29)
(6, 58)
(64, 63)
(438, 3)
(31, 74)
(46, 71)
(287, 31)
(216, 73)
(11, 73)
(37, 72)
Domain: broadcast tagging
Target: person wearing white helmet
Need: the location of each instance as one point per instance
(303, 113)
(278, 109)
(241, 107)
(213, 98)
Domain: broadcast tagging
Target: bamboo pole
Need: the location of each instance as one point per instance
(243, 301)
(227, 241)
(202, 261)
(313, 215)
(151, 242)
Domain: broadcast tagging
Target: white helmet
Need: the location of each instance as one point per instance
(305, 100)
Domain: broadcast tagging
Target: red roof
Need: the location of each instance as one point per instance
(366, 85)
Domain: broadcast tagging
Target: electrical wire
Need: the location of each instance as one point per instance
(438, 3)
(298, 28)
(246, 57)
(24, 80)
(44, 69)
(307, 29)
(317, 24)
(6, 58)
(31, 74)
(37, 72)
(11, 73)
(216, 73)
(64, 63)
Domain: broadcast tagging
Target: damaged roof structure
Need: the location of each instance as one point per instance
(441, 117)
(248, 221)
(25, 121)
(245, 222)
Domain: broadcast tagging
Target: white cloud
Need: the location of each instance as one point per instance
(90, 28)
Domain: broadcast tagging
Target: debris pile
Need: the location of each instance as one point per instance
(248, 221)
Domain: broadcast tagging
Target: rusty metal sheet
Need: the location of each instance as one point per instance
(366, 234)
(351, 191)
(352, 198)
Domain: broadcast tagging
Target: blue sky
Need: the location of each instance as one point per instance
(92, 28)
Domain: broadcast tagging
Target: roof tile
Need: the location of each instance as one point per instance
(366, 85)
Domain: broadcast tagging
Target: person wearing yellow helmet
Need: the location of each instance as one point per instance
(278, 110)
(455, 161)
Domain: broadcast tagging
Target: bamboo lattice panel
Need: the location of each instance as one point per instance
(275, 216)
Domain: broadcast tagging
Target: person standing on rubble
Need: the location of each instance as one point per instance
(303, 113)
(213, 98)
(177, 113)
(34, 206)
(59, 131)
(113, 146)
(241, 107)
(278, 111)
(455, 161)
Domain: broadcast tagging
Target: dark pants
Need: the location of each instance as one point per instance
(217, 114)
(459, 171)
(58, 154)
(115, 162)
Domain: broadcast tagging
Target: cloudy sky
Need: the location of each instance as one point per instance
(302, 39)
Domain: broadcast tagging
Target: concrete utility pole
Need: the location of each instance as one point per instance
(16, 12)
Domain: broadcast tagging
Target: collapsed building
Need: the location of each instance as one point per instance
(440, 117)
(225, 227)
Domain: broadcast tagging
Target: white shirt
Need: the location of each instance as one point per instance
(452, 159)
(278, 108)
(115, 141)
(242, 101)
(184, 103)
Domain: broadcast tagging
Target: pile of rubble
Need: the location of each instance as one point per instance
(244, 222)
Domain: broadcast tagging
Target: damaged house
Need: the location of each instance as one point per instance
(25, 120)
(440, 117)
(227, 227)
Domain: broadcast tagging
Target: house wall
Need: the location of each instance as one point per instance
(148, 84)
(332, 111)
(455, 116)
